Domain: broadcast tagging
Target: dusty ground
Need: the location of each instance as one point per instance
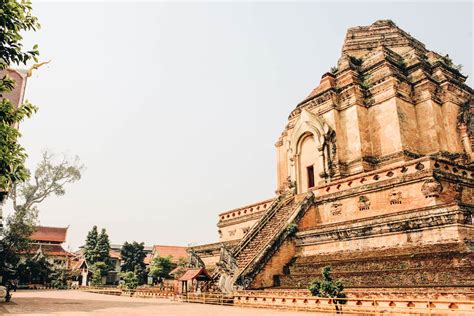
(81, 303)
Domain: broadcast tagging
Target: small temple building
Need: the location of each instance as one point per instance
(50, 240)
(375, 178)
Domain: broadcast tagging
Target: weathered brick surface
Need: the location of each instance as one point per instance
(436, 265)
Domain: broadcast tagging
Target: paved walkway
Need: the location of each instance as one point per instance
(81, 303)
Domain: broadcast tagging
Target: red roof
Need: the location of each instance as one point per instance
(176, 252)
(51, 234)
(50, 250)
(114, 254)
(200, 274)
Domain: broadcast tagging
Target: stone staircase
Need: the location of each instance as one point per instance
(248, 258)
(254, 244)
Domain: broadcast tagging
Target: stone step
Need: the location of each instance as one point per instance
(263, 237)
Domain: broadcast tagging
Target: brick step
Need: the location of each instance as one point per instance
(263, 237)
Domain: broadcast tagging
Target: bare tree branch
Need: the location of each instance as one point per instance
(50, 178)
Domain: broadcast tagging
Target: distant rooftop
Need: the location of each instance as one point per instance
(176, 252)
(49, 234)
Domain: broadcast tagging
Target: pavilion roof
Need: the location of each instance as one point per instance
(50, 234)
(199, 274)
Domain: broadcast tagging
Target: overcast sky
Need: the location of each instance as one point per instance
(175, 108)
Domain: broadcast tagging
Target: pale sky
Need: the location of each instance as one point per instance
(174, 108)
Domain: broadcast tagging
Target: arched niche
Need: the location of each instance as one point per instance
(311, 149)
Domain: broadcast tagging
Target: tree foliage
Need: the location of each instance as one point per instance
(160, 267)
(59, 277)
(97, 247)
(35, 270)
(103, 247)
(327, 287)
(15, 17)
(99, 270)
(50, 178)
(133, 256)
(130, 279)
(90, 248)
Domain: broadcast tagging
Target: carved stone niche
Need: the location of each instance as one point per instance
(395, 197)
(336, 209)
(364, 203)
(431, 188)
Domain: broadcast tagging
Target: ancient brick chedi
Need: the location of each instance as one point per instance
(375, 177)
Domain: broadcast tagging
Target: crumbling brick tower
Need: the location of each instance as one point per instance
(375, 175)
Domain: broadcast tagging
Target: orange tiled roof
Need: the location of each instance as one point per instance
(192, 274)
(51, 234)
(50, 250)
(114, 254)
(176, 252)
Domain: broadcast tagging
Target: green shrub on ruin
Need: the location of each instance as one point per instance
(329, 288)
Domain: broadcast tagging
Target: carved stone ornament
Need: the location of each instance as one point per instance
(336, 209)
(194, 260)
(396, 197)
(364, 203)
(245, 229)
(232, 232)
(431, 188)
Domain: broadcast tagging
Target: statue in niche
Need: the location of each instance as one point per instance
(396, 197)
(330, 154)
(364, 203)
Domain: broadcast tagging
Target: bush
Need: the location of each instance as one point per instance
(130, 279)
(99, 270)
(328, 288)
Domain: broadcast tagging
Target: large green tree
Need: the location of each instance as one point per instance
(15, 18)
(103, 247)
(96, 253)
(91, 252)
(160, 267)
(133, 256)
(50, 178)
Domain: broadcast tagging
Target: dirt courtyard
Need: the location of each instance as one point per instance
(81, 303)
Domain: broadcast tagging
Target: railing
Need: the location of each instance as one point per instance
(140, 292)
(280, 236)
(358, 305)
(272, 209)
(207, 298)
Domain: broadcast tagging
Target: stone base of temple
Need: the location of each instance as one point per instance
(430, 267)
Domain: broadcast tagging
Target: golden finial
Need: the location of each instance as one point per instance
(36, 66)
